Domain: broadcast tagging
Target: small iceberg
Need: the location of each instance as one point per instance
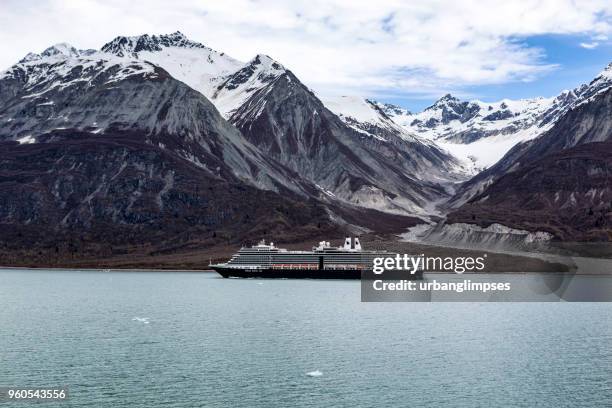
(315, 373)
(143, 320)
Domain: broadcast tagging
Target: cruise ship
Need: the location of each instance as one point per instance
(323, 262)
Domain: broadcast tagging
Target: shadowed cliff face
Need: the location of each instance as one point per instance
(119, 190)
(567, 194)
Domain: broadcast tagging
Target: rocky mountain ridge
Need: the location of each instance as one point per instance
(250, 98)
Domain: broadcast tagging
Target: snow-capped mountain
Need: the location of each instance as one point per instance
(355, 150)
(39, 84)
(222, 79)
(482, 132)
(195, 64)
(102, 93)
(114, 151)
(113, 146)
(478, 132)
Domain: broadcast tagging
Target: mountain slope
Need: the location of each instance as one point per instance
(88, 196)
(382, 171)
(369, 118)
(566, 194)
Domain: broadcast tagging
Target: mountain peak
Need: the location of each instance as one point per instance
(448, 97)
(178, 34)
(267, 63)
(447, 100)
(606, 73)
(63, 50)
(123, 46)
(262, 58)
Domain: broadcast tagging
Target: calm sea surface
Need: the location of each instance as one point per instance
(138, 339)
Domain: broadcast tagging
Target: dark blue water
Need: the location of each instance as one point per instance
(214, 342)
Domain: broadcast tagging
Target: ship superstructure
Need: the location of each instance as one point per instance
(322, 262)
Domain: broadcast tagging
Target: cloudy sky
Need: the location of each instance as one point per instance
(408, 52)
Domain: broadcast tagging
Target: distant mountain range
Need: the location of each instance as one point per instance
(158, 137)
(479, 132)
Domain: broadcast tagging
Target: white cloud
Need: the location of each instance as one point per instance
(589, 46)
(334, 46)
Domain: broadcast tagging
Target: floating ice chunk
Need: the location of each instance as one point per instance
(315, 373)
(143, 320)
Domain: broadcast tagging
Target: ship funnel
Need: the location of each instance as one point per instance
(357, 244)
(347, 243)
